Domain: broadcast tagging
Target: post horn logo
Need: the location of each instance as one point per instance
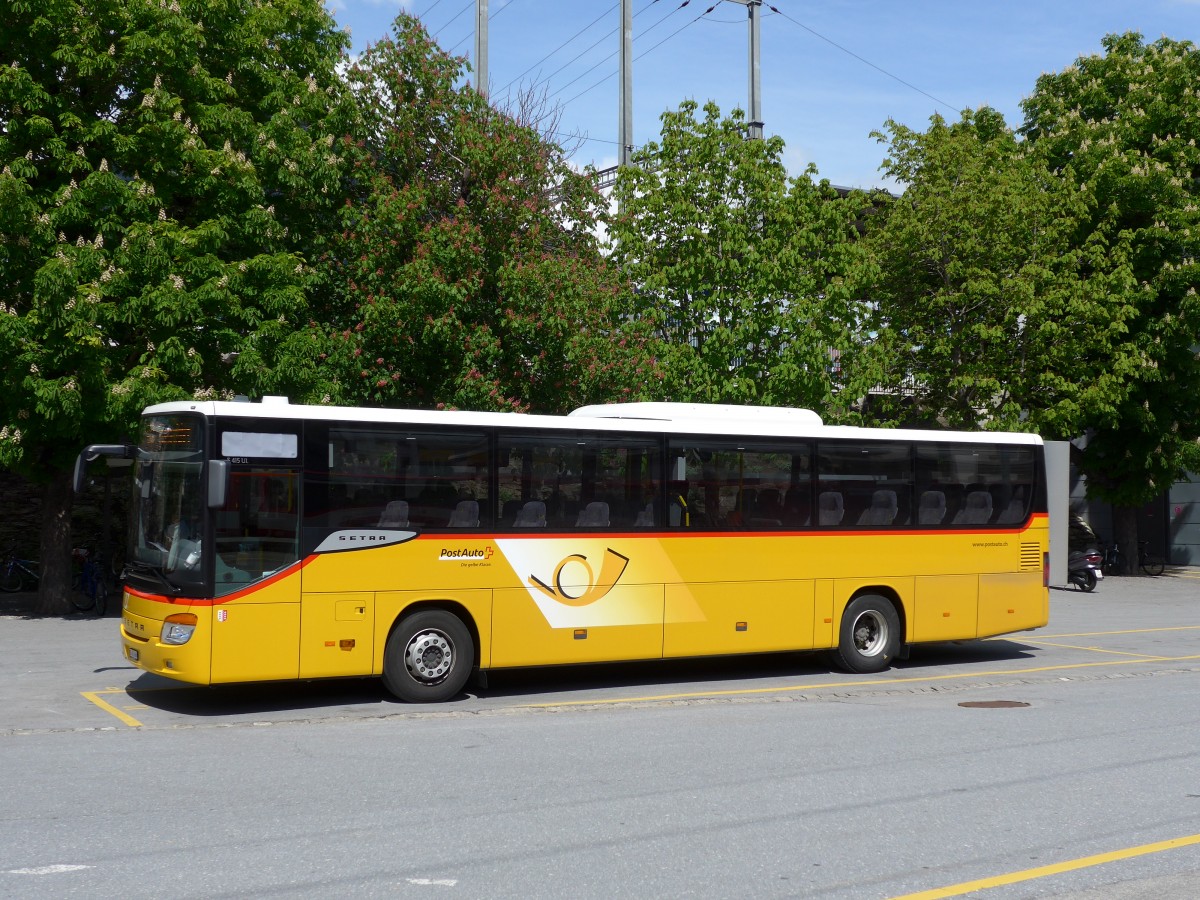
(593, 588)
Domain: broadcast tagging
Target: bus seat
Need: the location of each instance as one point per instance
(829, 508)
(1014, 512)
(977, 511)
(394, 515)
(531, 515)
(465, 515)
(594, 515)
(933, 508)
(645, 517)
(743, 506)
(768, 508)
(882, 510)
(796, 506)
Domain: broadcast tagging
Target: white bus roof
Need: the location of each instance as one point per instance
(675, 412)
(644, 418)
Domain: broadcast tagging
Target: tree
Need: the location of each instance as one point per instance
(991, 316)
(737, 267)
(1126, 125)
(161, 166)
(469, 268)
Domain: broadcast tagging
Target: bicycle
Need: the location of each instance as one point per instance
(89, 590)
(18, 574)
(1113, 562)
(1148, 562)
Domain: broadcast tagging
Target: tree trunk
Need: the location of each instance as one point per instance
(55, 565)
(1125, 533)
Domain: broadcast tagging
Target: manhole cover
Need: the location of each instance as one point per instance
(993, 704)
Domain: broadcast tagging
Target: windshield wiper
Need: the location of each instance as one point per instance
(146, 568)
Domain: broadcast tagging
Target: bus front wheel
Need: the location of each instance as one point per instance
(870, 635)
(428, 657)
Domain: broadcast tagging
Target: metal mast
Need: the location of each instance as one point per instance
(754, 113)
(755, 123)
(625, 118)
(481, 47)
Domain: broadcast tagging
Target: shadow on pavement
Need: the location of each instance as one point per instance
(565, 684)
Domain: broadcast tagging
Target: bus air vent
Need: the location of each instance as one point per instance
(1031, 557)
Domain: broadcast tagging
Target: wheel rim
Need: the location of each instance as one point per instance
(870, 633)
(429, 656)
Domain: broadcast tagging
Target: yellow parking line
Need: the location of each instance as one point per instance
(94, 697)
(1098, 650)
(1084, 862)
(1034, 638)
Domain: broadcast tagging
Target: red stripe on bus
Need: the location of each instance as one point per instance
(226, 598)
(679, 532)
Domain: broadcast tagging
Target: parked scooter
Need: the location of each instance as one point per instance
(1084, 568)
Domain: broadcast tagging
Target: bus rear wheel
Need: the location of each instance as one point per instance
(870, 635)
(428, 657)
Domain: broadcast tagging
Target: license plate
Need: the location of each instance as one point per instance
(133, 654)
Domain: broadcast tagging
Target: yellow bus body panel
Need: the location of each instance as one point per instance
(537, 599)
(945, 607)
(1012, 602)
(521, 635)
(141, 628)
(256, 634)
(337, 634)
(739, 617)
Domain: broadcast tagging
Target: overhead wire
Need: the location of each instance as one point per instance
(596, 44)
(775, 10)
(861, 59)
(568, 41)
(643, 53)
(491, 15)
(453, 18)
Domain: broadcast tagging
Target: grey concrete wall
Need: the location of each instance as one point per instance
(1183, 524)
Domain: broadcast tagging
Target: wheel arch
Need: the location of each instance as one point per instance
(888, 593)
(445, 605)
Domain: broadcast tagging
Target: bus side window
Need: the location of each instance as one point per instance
(875, 481)
(983, 484)
(567, 480)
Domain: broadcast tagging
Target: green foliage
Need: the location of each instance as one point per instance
(738, 268)
(1125, 126)
(992, 316)
(160, 167)
(468, 269)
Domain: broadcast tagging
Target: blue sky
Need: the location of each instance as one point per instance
(832, 70)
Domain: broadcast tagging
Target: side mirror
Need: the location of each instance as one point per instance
(218, 482)
(95, 451)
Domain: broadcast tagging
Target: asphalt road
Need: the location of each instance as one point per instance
(1056, 763)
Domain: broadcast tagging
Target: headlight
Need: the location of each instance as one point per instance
(178, 628)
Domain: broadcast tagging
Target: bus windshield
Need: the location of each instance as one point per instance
(168, 501)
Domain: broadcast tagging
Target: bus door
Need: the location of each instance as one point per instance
(256, 609)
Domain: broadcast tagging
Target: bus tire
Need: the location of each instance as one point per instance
(869, 638)
(428, 657)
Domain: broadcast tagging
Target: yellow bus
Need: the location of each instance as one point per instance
(274, 541)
